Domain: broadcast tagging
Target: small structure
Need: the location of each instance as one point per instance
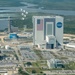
(70, 46)
(51, 42)
(7, 47)
(7, 64)
(13, 36)
(8, 51)
(14, 29)
(24, 47)
(42, 46)
(3, 72)
(55, 63)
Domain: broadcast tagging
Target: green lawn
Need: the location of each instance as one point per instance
(70, 66)
(54, 4)
(69, 22)
(10, 3)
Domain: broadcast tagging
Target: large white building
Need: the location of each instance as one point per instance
(48, 31)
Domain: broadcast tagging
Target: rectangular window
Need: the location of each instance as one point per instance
(38, 21)
(49, 29)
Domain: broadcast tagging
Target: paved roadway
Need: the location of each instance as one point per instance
(59, 72)
(19, 58)
(20, 61)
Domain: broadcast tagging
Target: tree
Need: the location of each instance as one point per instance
(33, 71)
(41, 72)
(29, 63)
(44, 74)
(22, 72)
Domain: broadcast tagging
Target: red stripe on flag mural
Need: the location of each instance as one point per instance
(40, 26)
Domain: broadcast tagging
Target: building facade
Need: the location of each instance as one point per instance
(48, 31)
(13, 36)
(55, 63)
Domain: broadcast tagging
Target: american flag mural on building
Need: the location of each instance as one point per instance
(39, 24)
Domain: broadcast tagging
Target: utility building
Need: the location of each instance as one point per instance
(48, 31)
(55, 63)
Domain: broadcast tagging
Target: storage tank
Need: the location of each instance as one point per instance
(7, 47)
(2, 47)
(5, 74)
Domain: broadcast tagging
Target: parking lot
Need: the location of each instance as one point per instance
(47, 55)
(67, 53)
(28, 54)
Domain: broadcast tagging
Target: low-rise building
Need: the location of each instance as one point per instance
(55, 63)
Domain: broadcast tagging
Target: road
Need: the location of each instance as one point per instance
(20, 60)
(59, 72)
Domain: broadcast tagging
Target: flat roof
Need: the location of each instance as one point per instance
(72, 45)
(52, 16)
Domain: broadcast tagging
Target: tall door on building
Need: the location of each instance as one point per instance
(52, 46)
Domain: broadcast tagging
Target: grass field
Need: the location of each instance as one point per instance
(54, 4)
(69, 22)
(47, 4)
(10, 3)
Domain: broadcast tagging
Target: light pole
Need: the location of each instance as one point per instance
(9, 25)
(24, 14)
(25, 26)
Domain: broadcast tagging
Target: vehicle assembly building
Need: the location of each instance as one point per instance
(48, 31)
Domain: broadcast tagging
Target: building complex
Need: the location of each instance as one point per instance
(48, 31)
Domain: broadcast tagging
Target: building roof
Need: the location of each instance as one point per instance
(54, 61)
(52, 16)
(7, 64)
(71, 45)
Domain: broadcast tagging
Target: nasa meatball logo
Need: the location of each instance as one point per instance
(59, 24)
